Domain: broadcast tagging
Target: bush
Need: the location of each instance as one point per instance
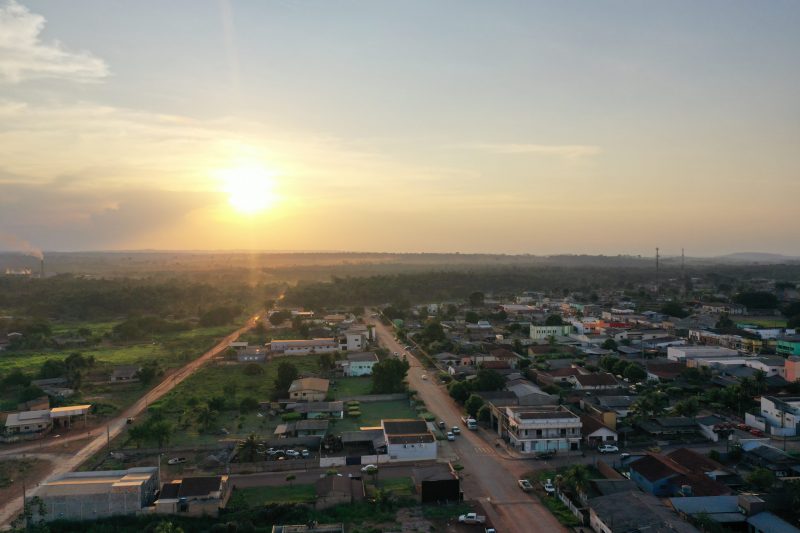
(248, 404)
(354, 414)
(290, 417)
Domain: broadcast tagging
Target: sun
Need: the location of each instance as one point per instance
(250, 188)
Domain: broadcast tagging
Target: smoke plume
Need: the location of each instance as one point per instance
(18, 245)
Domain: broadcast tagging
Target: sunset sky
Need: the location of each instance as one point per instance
(473, 126)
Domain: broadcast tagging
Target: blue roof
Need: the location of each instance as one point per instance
(706, 504)
(769, 523)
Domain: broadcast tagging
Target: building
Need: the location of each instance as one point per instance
(722, 307)
(125, 373)
(33, 424)
(437, 484)
(788, 345)
(355, 340)
(408, 440)
(194, 496)
(625, 512)
(91, 495)
(359, 364)
(309, 389)
(545, 332)
(663, 476)
(312, 410)
(252, 354)
(781, 415)
(309, 528)
(304, 347)
(540, 429)
(600, 381)
(595, 433)
(663, 372)
(685, 353)
(336, 490)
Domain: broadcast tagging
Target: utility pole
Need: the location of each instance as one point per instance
(658, 281)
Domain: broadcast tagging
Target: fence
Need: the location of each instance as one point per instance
(367, 398)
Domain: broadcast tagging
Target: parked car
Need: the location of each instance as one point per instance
(756, 432)
(525, 485)
(607, 448)
(424, 377)
(743, 427)
(176, 460)
(292, 453)
(544, 456)
(549, 488)
(129, 421)
(472, 518)
(490, 530)
(624, 455)
(305, 454)
(455, 430)
(368, 468)
(450, 436)
(442, 425)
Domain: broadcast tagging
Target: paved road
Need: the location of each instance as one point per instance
(116, 425)
(489, 475)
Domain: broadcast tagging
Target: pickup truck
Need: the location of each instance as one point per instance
(470, 422)
(472, 518)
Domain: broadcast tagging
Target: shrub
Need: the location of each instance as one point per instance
(290, 417)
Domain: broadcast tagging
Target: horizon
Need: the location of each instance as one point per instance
(515, 128)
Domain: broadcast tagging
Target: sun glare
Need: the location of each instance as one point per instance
(249, 188)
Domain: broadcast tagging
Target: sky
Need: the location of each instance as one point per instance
(404, 126)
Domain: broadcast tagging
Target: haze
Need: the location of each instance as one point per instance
(513, 127)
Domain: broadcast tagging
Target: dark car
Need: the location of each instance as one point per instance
(544, 456)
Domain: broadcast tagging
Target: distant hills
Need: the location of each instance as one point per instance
(756, 257)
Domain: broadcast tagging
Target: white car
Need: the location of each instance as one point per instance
(549, 488)
(292, 453)
(450, 436)
(368, 468)
(607, 448)
(424, 377)
(176, 460)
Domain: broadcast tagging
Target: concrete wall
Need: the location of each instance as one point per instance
(412, 452)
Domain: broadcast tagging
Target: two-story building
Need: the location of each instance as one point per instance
(788, 345)
(408, 440)
(541, 428)
(545, 332)
(782, 415)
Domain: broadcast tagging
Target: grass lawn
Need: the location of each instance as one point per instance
(764, 322)
(400, 487)
(373, 412)
(258, 496)
(352, 387)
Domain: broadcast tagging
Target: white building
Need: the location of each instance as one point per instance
(303, 347)
(545, 332)
(359, 364)
(685, 353)
(782, 415)
(409, 440)
(542, 428)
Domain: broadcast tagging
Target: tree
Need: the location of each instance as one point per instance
(138, 434)
(635, 373)
(473, 403)
(471, 317)
(248, 404)
(609, 344)
(757, 300)
(759, 381)
(484, 413)
(52, 368)
(687, 407)
(620, 367)
(167, 527)
(607, 362)
(761, 479)
(476, 299)
(230, 389)
(674, 309)
(279, 317)
(554, 320)
(388, 376)
(576, 478)
(161, 432)
(458, 391)
(205, 417)
(724, 322)
(248, 449)
(488, 380)
(287, 373)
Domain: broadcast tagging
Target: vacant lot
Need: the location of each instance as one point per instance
(373, 412)
(258, 496)
(345, 387)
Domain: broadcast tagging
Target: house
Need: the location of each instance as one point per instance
(27, 425)
(505, 355)
(194, 496)
(447, 359)
(595, 433)
(621, 405)
(664, 372)
(763, 455)
(529, 394)
(600, 381)
(792, 368)
(686, 353)
(788, 345)
(312, 427)
(669, 426)
(355, 341)
(545, 332)
(408, 440)
(540, 429)
(723, 307)
(309, 389)
(781, 415)
(37, 404)
(767, 522)
(359, 364)
(99, 494)
(304, 347)
(558, 375)
(437, 484)
(661, 476)
(312, 410)
(625, 512)
(336, 490)
(125, 373)
(481, 331)
(720, 509)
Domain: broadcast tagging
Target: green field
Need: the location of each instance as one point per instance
(258, 496)
(352, 387)
(373, 412)
(764, 322)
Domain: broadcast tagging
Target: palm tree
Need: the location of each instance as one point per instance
(205, 416)
(248, 449)
(746, 385)
(577, 478)
(760, 381)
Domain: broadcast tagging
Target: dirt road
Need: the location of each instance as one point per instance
(116, 425)
(488, 476)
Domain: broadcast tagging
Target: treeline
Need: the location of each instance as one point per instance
(68, 297)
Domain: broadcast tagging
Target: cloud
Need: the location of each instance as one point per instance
(570, 151)
(24, 56)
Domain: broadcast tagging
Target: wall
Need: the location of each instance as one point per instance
(412, 452)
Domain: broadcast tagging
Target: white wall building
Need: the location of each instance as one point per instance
(542, 428)
(683, 353)
(545, 332)
(782, 414)
(303, 347)
(359, 364)
(409, 440)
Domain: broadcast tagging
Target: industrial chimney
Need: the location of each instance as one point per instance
(41, 268)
